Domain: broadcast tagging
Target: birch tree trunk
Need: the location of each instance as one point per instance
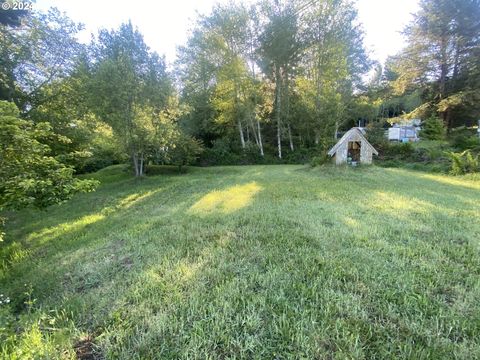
(240, 130)
(287, 109)
(290, 138)
(141, 165)
(260, 144)
(239, 121)
(443, 77)
(258, 132)
(135, 164)
(278, 87)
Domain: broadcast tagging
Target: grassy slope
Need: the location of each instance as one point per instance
(252, 262)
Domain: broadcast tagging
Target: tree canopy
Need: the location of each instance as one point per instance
(272, 79)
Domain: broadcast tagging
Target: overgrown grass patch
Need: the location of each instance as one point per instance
(249, 262)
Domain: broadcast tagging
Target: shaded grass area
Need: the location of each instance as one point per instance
(249, 262)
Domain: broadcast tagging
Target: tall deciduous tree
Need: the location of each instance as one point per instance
(131, 91)
(217, 70)
(280, 47)
(334, 62)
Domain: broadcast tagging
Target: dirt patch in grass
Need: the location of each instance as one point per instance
(86, 349)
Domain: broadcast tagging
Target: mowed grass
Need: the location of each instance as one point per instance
(252, 262)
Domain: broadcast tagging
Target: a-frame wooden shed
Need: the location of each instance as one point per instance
(353, 147)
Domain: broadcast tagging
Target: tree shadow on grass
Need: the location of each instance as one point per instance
(93, 260)
(254, 281)
(228, 291)
(47, 254)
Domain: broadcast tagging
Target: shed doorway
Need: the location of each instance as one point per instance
(354, 151)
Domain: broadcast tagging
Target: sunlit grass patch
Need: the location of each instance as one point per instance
(65, 228)
(453, 180)
(226, 201)
(249, 262)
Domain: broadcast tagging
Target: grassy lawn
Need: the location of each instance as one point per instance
(253, 262)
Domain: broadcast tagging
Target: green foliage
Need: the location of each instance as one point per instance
(376, 135)
(301, 155)
(464, 138)
(320, 160)
(440, 59)
(432, 129)
(424, 155)
(37, 56)
(221, 153)
(131, 91)
(186, 151)
(397, 150)
(28, 175)
(464, 163)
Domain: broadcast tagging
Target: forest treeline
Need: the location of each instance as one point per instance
(272, 81)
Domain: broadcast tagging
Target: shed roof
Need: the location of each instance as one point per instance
(347, 136)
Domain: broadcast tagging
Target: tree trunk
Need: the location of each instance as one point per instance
(141, 165)
(456, 60)
(447, 120)
(240, 130)
(239, 121)
(290, 138)
(443, 78)
(287, 109)
(260, 144)
(135, 164)
(258, 132)
(254, 131)
(443, 67)
(278, 87)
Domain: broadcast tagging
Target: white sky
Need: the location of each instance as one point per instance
(165, 23)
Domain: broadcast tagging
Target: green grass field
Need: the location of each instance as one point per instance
(253, 262)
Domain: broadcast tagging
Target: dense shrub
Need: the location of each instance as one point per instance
(465, 139)
(426, 155)
(186, 151)
(220, 153)
(104, 151)
(320, 160)
(432, 129)
(376, 135)
(301, 155)
(464, 162)
(403, 151)
(251, 155)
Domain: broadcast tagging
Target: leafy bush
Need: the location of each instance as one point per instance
(28, 175)
(464, 162)
(250, 155)
(186, 151)
(464, 139)
(425, 155)
(376, 135)
(432, 129)
(402, 151)
(319, 160)
(220, 153)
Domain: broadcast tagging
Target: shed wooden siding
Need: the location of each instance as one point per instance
(340, 150)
